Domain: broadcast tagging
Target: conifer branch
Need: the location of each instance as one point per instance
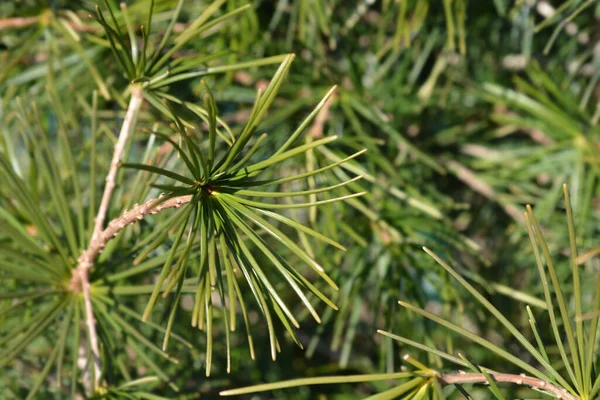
(316, 131)
(22, 22)
(129, 217)
(129, 121)
(535, 383)
(17, 22)
(80, 280)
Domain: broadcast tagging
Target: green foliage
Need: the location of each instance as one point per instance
(571, 376)
(435, 124)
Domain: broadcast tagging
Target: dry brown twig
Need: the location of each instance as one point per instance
(316, 131)
(481, 187)
(129, 217)
(17, 22)
(80, 279)
(22, 22)
(535, 383)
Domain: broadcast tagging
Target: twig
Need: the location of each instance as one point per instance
(540, 384)
(80, 281)
(316, 131)
(137, 213)
(481, 187)
(18, 22)
(237, 117)
(128, 123)
(90, 322)
(21, 22)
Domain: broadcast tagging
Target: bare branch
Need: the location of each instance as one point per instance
(137, 213)
(90, 322)
(481, 187)
(135, 104)
(80, 280)
(535, 383)
(316, 131)
(17, 22)
(21, 22)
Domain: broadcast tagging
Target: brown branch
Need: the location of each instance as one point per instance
(316, 131)
(80, 280)
(21, 22)
(535, 383)
(135, 103)
(18, 22)
(137, 213)
(477, 184)
(237, 117)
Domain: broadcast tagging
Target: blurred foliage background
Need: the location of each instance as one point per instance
(469, 110)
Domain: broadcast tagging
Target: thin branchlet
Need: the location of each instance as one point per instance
(522, 379)
(80, 279)
(129, 217)
(129, 121)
